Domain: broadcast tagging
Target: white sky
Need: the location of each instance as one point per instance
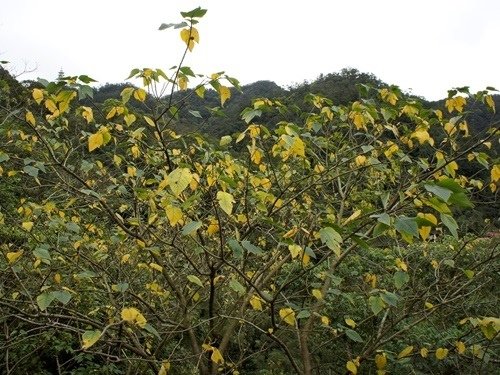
(428, 46)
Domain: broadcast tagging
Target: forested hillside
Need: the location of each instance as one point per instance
(187, 224)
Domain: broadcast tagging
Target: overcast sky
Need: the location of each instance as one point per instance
(428, 46)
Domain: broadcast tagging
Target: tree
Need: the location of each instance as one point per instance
(146, 251)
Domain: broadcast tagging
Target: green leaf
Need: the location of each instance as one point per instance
(120, 287)
(353, 335)
(237, 287)
(439, 191)
(89, 338)
(377, 304)
(248, 114)
(195, 113)
(406, 225)
(251, 248)
(438, 205)
(191, 227)
(62, 296)
(42, 252)
(303, 314)
(400, 279)
(195, 280)
(390, 298)
(149, 328)
(460, 200)
(195, 13)
(450, 223)
(469, 273)
(31, 171)
(236, 248)
(126, 94)
(86, 79)
(331, 238)
(384, 219)
(44, 300)
(450, 184)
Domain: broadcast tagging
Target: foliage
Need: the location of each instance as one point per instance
(306, 244)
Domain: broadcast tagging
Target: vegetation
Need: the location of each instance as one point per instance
(328, 235)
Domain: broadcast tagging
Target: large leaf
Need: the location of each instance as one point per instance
(178, 180)
(44, 300)
(450, 223)
(406, 225)
(331, 238)
(226, 201)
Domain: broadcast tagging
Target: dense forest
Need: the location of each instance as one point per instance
(191, 225)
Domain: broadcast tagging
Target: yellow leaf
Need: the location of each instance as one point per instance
(460, 347)
(13, 256)
(451, 168)
(441, 353)
(424, 352)
(95, 141)
(380, 361)
(359, 120)
(401, 265)
(156, 267)
(351, 366)
(182, 82)
(30, 118)
(405, 352)
(165, 367)
(174, 215)
(213, 227)
(224, 94)
(256, 156)
(325, 320)
(391, 149)
(424, 232)
(50, 105)
(464, 127)
(490, 102)
(27, 225)
(450, 128)
(495, 173)
(149, 121)
(129, 119)
(291, 233)
(87, 114)
(351, 323)
(57, 278)
(190, 36)
(125, 258)
(423, 136)
(360, 160)
(226, 201)
(317, 294)
(298, 147)
(133, 316)
(37, 95)
(131, 171)
(216, 356)
(256, 302)
(428, 305)
(89, 338)
(354, 216)
(388, 96)
(140, 94)
(178, 180)
(305, 259)
(288, 316)
(295, 250)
